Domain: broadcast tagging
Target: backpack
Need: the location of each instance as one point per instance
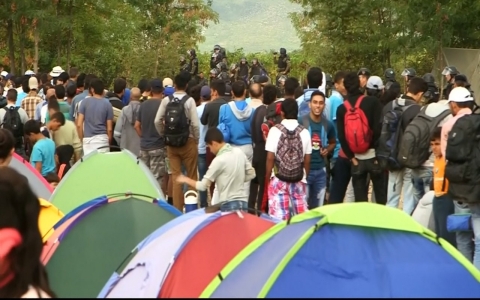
(289, 157)
(357, 130)
(462, 155)
(304, 109)
(414, 147)
(272, 118)
(177, 125)
(13, 122)
(390, 137)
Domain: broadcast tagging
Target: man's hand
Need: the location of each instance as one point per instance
(354, 161)
(324, 152)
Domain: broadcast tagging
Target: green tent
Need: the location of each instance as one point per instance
(100, 174)
(97, 242)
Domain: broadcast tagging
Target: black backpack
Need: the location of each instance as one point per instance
(414, 148)
(177, 125)
(463, 159)
(390, 136)
(272, 118)
(12, 121)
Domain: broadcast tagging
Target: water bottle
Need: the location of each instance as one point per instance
(191, 201)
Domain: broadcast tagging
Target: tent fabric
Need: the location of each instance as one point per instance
(38, 184)
(183, 260)
(347, 250)
(97, 240)
(49, 216)
(121, 172)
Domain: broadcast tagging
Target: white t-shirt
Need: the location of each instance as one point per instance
(275, 134)
(35, 293)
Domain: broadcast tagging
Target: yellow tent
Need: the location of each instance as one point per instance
(49, 216)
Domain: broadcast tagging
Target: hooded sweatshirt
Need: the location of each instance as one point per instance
(237, 117)
(124, 133)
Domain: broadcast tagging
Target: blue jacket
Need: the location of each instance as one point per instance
(237, 117)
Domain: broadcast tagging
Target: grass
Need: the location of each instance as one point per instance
(253, 25)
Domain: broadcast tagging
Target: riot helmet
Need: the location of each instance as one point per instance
(389, 74)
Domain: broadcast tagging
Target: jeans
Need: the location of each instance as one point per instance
(360, 174)
(316, 187)
(340, 180)
(421, 179)
(442, 208)
(470, 249)
(234, 205)
(399, 181)
(202, 169)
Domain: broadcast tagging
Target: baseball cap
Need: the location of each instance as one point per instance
(167, 82)
(33, 83)
(156, 83)
(4, 73)
(205, 92)
(460, 94)
(228, 90)
(375, 83)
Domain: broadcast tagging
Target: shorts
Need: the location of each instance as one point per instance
(155, 161)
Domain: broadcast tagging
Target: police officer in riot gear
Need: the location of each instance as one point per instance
(389, 78)
(408, 74)
(184, 65)
(193, 63)
(242, 70)
(282, 62)
(223, 72)
(432, 94)
(449, 72)
(363, 75)
(217, 57)
(257, 69)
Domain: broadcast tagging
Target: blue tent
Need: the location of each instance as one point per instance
(353, 250)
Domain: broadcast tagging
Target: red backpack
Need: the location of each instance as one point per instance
(357, 131)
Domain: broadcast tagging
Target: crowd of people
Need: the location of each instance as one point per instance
(256, 146)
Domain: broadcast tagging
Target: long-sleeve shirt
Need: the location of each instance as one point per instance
(447, 127)
(190, 111)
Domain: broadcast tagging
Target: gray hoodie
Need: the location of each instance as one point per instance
(125, 133)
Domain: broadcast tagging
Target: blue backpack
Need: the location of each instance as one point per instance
(303, 109)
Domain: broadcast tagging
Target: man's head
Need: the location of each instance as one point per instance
(289, 109)
(156, 87)
(60, 92)
(201, 75)
(63, 78)
(81, 80)
(460, 98)
(291, 84)
(375, 86)
(12, 96)
(269, 94)
(119, 86)
(338, 82)
(88, 81)
(97, 88)
(363, 75)
(205, 93)
(33, 84)
(25, 87)
(238, 89)
(416, 88)
(351, 82)
(32, 130)
(135, 94)
(317, 103)
(214, 139)
(71, 90)
(50, 93)
(256, 91)
(435, 142)
(314, 78)
(218, 88)
(7, 147)
(52, 106)
(57, 120)
(181, 80)
(73, 73)
(142, 85)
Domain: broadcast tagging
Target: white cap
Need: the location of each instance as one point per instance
(29, 72)
(56, 71)
(4, 73)
(167, 82)
(375, 83)
(460, 94)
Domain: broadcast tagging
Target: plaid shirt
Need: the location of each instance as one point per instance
(283, 195)
(29, 104)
